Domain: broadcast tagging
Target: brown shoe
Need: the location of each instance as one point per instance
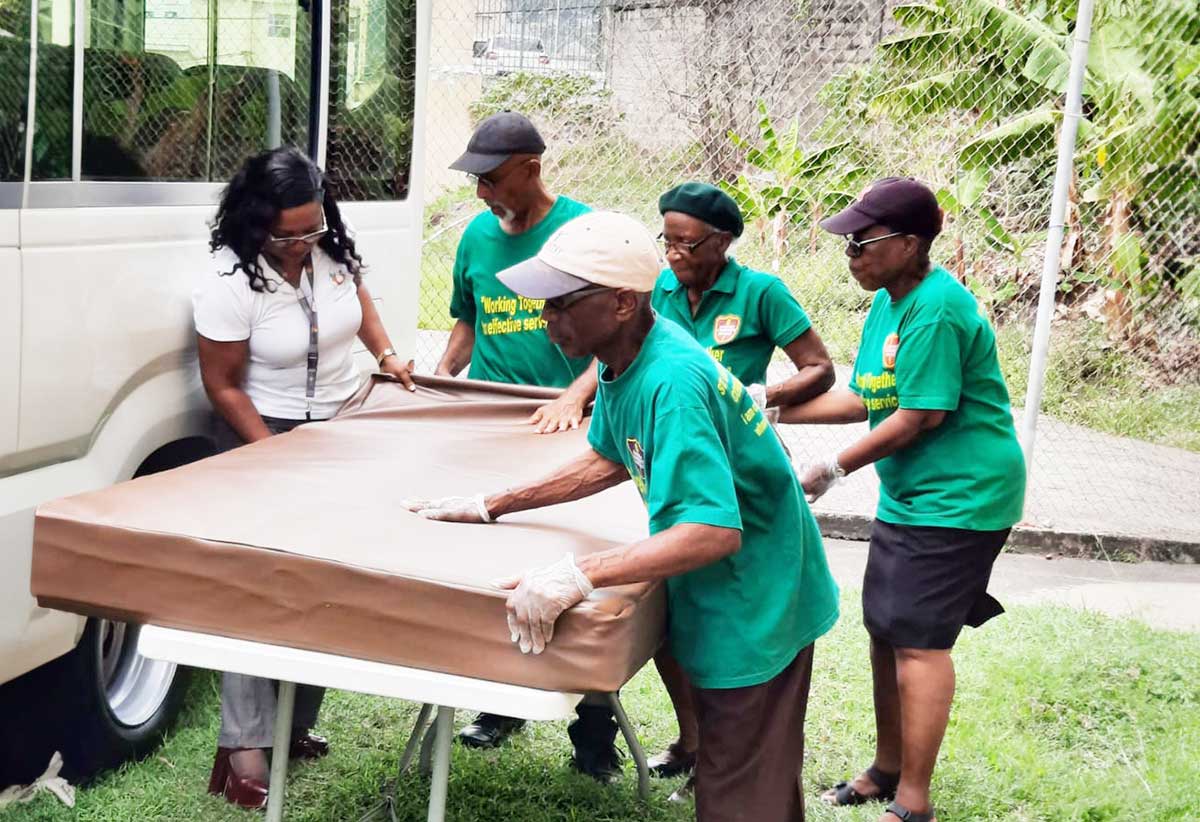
(308, 746)
(242, 791)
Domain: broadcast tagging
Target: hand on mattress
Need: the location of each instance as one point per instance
(539, 597)
(561, 414)
(451, 509)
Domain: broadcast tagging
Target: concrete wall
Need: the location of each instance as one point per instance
(684, 72)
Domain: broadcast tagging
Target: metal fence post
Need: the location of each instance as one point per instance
(1054, 239)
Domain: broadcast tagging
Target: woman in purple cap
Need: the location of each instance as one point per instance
(951, 472)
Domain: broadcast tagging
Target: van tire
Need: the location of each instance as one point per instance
(80, 706)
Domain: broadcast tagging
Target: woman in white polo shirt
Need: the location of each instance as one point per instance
(277, 320)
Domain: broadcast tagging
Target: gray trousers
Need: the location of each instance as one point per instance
(248, 702)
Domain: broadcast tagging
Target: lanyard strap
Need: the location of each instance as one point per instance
(310, 311)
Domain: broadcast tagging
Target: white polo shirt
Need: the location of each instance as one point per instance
(226, 309)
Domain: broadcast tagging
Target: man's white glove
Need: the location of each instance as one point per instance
(539, 597)
(758, 393)
(450, 509)
(819, 477)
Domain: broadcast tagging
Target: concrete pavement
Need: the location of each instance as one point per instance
(1163, 595)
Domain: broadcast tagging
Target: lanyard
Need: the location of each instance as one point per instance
(310, 311)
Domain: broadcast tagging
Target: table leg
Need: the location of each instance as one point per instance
(415, 738)
(441, 764)
(635, 749)
(285, 704)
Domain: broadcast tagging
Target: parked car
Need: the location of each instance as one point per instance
(508, 54)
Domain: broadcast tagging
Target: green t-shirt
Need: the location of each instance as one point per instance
(741, 319)
(701, 451)
(933, 349)
(510, 336)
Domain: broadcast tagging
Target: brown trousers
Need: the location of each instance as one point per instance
(752, 748)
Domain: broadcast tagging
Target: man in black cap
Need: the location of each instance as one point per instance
(951, 474)
(502, 335)
(740, 316)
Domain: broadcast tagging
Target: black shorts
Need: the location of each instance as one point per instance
(923, 584)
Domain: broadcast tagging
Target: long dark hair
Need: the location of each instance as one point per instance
(265, 185)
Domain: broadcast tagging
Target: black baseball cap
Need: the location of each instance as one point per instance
(902, 204)
(496, 139)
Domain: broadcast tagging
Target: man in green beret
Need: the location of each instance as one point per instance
(740, 316)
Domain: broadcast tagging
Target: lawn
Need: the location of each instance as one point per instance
(1061, 715)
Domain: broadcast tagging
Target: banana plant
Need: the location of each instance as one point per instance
(788, 187)
(1007, 63)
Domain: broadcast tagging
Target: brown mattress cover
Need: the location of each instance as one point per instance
(300, 540)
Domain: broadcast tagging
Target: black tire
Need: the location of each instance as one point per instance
(102, 703)
(99, 705)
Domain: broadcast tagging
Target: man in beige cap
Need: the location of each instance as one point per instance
(748, 586)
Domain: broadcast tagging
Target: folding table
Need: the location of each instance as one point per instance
(445, 691)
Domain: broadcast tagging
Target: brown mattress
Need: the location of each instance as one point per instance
(300, 540)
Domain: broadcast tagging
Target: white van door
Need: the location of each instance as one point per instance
(10, 330)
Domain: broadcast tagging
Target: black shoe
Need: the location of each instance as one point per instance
(593, 734)
(489, 730)
(674, 761)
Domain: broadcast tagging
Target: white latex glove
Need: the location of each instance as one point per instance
(451, 509)
(758, 393)
(539, 597)
(819, 477)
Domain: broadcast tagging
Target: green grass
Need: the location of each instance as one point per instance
(1060, 715)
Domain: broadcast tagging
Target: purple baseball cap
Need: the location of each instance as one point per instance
(902, 204)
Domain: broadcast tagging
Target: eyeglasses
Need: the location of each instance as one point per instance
(311, 238)
(854, 248)
(686, 248)
(562, 303)
(488, 182)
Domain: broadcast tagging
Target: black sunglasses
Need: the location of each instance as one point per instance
(854, 248)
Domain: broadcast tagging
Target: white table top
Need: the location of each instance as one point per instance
(220, 653)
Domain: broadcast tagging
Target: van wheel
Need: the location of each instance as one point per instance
(99, 705)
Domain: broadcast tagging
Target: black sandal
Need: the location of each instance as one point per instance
(905, 815)
(844, 793)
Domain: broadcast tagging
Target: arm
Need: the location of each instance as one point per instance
(458, 350)
(539, 597)
(566, 411)
(677, 550)
(831, 407)
(222, 370)
(901, 429)
(375, 338)
(814, 372)
(587, 474)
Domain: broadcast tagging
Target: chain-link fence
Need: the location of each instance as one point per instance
(794, 105)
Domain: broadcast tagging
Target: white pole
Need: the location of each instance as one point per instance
(31, 111)
(1054, 239)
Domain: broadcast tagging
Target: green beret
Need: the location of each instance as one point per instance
(704, 202)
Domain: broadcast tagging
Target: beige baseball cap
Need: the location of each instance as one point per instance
(598, 248)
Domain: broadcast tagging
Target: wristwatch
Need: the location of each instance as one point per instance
(383, 355)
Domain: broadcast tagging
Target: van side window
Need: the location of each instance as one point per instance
(172, 92)
(371, 85)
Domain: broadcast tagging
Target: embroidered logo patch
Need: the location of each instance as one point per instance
(638, 456)
(890, 346)
(725, 328)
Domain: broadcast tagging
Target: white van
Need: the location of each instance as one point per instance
(139, 114)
